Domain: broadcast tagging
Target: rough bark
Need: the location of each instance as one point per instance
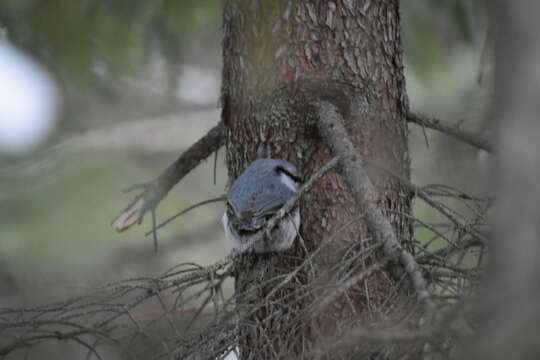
(277, 57)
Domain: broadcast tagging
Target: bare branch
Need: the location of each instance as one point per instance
(337, 139)
(424, 193)
(154, 191)
(135, 311)
(185, 211)
(454, 131)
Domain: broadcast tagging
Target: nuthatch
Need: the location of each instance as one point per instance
(255, 196)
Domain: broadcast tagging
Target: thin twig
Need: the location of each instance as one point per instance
(185, 211)
(454, 131)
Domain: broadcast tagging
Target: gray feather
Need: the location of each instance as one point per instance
(258, 191)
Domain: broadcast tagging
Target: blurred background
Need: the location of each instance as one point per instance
(98, 95)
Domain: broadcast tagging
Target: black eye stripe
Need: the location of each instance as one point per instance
(280, 169)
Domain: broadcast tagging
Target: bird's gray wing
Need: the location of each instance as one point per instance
(257, 220)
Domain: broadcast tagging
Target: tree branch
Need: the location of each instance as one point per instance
(454, 131)
(154, 191)
(336, 138)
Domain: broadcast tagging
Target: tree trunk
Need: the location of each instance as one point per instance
(509, 309)
(279, 56)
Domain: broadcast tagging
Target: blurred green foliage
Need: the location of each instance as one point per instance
(66, 217)
(74, 36)
(434, 29)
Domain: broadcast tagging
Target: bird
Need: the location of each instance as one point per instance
(254, 197)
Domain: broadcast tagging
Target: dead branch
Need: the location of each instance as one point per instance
(454, 131)
(129, 311)
(110, 312)
(427, 194)
(336, 138)
(154, 191)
